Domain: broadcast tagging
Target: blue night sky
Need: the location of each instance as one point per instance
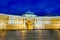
(39, 7)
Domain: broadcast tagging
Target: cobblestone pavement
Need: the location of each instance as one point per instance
(30, 35)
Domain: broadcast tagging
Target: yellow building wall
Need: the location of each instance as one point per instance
(55, 24)
(19, 23)
(3, 22)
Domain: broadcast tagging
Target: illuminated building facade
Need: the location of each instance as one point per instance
(29, 21)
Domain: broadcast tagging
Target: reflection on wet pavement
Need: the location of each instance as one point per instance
(30, 35)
